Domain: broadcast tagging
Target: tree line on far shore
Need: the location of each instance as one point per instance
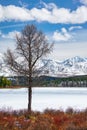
(44, 81)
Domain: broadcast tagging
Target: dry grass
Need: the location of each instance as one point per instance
(48, 120)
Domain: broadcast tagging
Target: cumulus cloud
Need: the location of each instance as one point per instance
(10, 35)
(62, 36)
(75, 27)
(49, 13)
(83, 2)
(13, 12)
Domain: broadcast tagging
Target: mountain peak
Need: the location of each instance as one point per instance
(78, 59)
(73, 66)
(74, 60)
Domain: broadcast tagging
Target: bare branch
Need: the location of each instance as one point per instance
(31, 45)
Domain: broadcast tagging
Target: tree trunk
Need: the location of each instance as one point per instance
(29, 98)
(29, 94)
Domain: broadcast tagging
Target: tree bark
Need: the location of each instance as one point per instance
(30, 94)
(29, 98)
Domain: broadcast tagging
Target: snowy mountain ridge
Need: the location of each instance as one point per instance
(69, 67)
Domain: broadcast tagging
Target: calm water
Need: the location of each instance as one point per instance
(42, 98)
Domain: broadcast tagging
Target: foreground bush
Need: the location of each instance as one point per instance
(48, 120)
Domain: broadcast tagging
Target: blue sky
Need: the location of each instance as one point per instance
(63, 21)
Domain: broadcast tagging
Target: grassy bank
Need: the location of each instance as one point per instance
(48, 120)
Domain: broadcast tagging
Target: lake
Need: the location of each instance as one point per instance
(43, 98)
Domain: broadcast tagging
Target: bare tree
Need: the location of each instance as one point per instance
(31, 45)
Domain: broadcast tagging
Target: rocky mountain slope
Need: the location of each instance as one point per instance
(68, 67)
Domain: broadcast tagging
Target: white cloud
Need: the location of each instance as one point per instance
(41, 14)
(65, 48)
(75, 27)
(84, 2)
(13, 12)
(50, 13)
(62, 36)
(10, 35)
(79, 16)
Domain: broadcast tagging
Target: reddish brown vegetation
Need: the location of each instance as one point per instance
(48, 120)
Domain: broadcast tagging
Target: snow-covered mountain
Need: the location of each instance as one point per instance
(68, 67)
